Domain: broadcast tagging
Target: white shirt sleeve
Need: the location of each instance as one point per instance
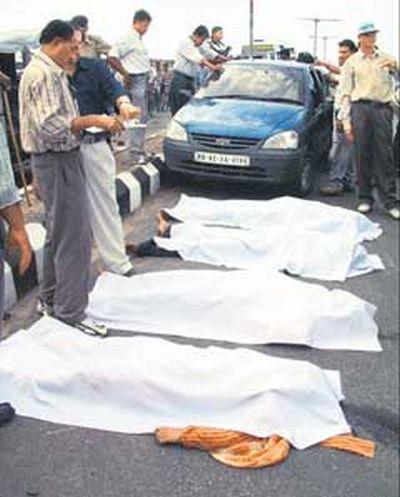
(123, 47)
(345, 88)
(188, 51)
(207, 51)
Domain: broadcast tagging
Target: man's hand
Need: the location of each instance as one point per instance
(18, 239)
(128, 111)
(218, 68)
(349, 135)
(127, 78)
(111, 124)
(390, 64)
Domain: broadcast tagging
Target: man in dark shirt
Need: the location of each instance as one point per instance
(217, 46)
(98, 92)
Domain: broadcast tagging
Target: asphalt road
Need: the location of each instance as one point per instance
(47, 460)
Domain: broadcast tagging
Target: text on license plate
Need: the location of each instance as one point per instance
(222, 159)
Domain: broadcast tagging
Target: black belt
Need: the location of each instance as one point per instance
(370, 102)
(138, 74)
(76, 149)
(181, 74)
(90, 138)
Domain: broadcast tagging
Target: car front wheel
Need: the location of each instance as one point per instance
(305, 181)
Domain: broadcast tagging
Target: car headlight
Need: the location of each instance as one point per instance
(176, 131)
(285, 140)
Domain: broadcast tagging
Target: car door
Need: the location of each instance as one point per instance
(323, 115)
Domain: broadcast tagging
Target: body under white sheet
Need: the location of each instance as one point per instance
(307, 253)
(241, 306)
(55, 373)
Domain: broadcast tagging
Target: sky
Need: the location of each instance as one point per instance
(275, 21)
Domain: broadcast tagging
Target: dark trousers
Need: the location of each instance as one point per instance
(182, 90)
(149, 249)
(67, 250)
(373, 147)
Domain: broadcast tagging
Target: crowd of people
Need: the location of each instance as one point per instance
(159, 86)
(71, 102)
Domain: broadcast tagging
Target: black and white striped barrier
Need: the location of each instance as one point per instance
(138, 183)
(132, 187)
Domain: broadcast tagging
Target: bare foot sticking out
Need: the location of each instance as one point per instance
(164, 224)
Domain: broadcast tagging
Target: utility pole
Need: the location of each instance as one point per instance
(317, 21)
(251, 28)
(325, 39)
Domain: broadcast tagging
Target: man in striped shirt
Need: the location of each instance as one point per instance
(50, 129)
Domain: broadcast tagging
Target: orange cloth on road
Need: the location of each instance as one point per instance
(240, 450)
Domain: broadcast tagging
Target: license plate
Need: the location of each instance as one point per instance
(222, 159)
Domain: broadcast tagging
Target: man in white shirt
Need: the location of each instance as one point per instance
(188, 59)
(367, 88)
(130, 58)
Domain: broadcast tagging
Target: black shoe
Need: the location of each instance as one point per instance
(44, 309)
(348, 188)
(7, 412)
(332, 190)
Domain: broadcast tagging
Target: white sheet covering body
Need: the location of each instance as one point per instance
(280, 212)
(307, 253)
(136, 384)
(251, 307)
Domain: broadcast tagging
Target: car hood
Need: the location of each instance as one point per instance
(240, 118)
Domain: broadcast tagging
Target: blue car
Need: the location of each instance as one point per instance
(260, 121)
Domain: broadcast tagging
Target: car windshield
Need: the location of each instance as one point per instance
(273, 83)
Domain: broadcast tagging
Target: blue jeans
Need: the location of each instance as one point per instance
(341, 169)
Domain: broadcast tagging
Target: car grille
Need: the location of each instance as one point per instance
(224, 142)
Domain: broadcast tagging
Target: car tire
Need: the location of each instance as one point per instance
(305, 181)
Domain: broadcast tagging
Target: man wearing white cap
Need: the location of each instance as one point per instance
(366, 112)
